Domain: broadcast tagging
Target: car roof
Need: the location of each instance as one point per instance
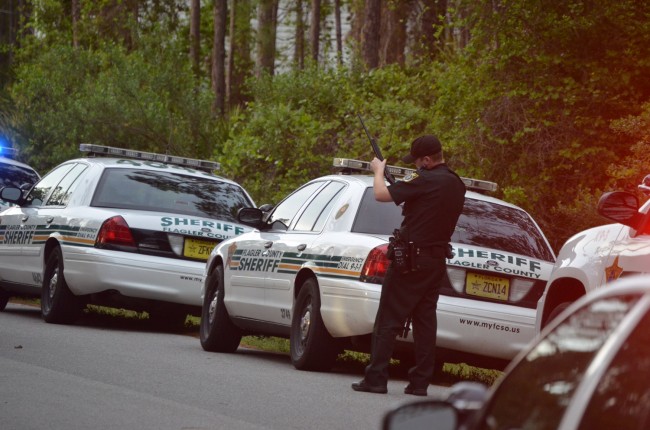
(13, 162)
(367, 181)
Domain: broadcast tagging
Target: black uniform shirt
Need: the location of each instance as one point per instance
(433, 200)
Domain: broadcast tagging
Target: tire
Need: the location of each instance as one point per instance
(4, 299)
(556, 311)
(217, 332)
(311, 346)
(58, 304)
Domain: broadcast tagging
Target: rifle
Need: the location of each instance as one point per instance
(375, 148)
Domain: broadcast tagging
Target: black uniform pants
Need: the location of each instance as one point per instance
(415, 294)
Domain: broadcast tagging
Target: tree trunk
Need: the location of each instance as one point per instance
(371, 33)
(393, 31)
(314, 29)
(299, 51)
(219, 58)
(339, 33)
(195, 36)
(240, 65)
(267, 13)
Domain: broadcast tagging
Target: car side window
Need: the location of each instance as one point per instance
(42, 189)
(63, 190)
(314, 216)
(622, 397)
(538, 389)
(288, 208)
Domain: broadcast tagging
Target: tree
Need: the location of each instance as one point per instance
(314, 29)
(267, 20)
(195, 36)
(240, 65)
(371, 33)
(299, 49)
(219, 58)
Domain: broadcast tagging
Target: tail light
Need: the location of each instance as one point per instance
(115, 234)
(376, 264)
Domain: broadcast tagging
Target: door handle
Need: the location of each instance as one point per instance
(49, 220)
(25, 218)
(268, 244)
(302, 247)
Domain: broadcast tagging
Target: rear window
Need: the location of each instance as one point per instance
(16, 176)
(482, 224)
(169, 192)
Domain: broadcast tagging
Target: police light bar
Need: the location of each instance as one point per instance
(349, 164)
(107, 151)
(8, 152)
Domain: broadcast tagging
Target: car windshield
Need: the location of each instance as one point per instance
(169, 192)
(16, 176)
(484, 224)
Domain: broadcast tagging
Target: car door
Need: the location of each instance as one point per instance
(22, 243)
(254, 258)
(538, 390)
(46, 215)
(295, 246)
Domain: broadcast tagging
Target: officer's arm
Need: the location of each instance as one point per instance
(379, 184)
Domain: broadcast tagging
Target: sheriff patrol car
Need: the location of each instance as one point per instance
(597, 256)
(120, 228)
(312, 269)
(14, 173)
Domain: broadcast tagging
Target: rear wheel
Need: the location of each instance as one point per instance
(311, 346)
(217, 332)
(58, 304)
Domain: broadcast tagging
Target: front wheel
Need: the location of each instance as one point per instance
(311, 346)
(217, 332)
(58, 304)
(556, 311)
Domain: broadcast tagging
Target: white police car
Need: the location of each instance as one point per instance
(14, 173)
(312, 270)
(121, 228)
(597, 256)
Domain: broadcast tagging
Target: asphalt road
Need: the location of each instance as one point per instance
(109, 373)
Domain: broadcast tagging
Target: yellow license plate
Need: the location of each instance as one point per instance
(197, 248)
(491, 287)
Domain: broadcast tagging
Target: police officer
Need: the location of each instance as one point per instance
(433, 199)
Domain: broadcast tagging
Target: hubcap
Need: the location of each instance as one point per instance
(53, 282)
(212, 310)
(305, 323)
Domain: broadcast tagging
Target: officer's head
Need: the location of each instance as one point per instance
(426, 152)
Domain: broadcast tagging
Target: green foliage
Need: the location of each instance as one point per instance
(145, 99)
(530, 101)
(300, 121)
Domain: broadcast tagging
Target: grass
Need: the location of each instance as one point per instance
(349, 360)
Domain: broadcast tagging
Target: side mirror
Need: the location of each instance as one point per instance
(621, 207)
(422, 415)
(11, 195)
(250, 216)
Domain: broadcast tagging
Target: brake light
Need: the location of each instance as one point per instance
(374, 269)
(115, 232)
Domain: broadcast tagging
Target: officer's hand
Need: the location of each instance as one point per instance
(377, 165)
